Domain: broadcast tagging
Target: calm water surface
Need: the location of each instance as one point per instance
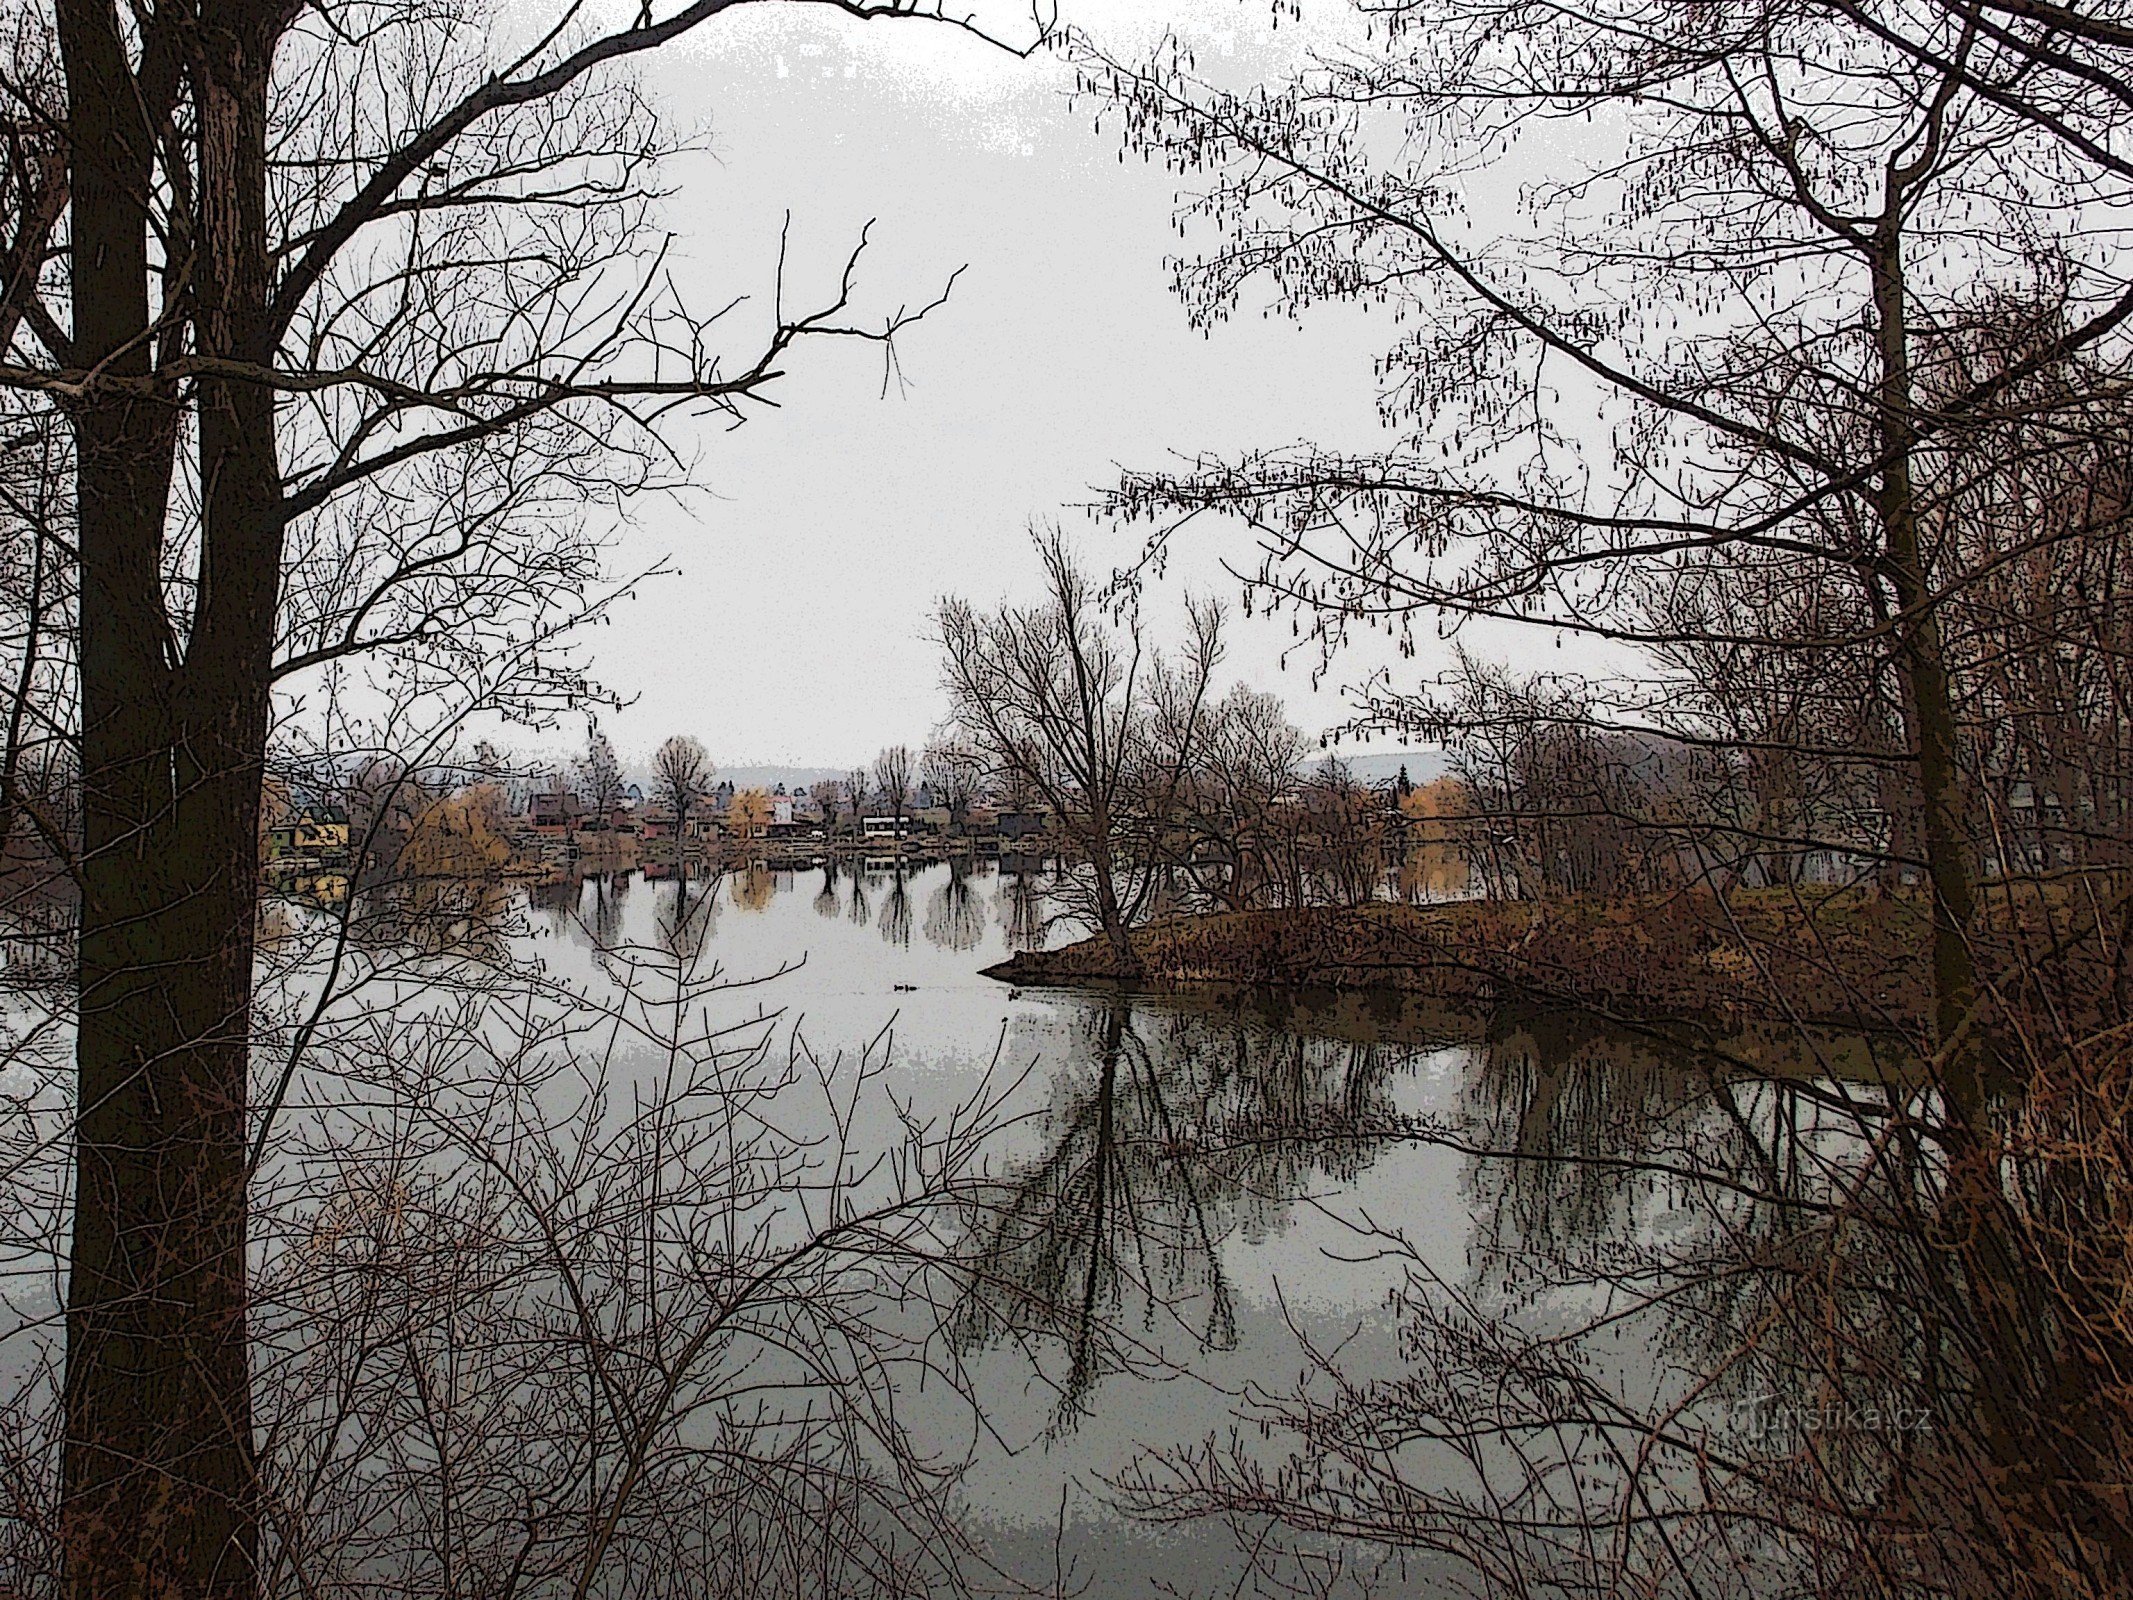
(1198, 1195)
(1203, 1204)
(1198, 1207)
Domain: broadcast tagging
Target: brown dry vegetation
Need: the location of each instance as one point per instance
(1849, 958)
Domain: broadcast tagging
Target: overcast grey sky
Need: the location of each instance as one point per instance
(798, 628)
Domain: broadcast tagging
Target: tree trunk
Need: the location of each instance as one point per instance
(2034, 1414)
(1110, 917)
(159, 1493)
(1925, 677)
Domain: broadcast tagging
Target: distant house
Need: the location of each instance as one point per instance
(655, 820)
(555, 812)
(312, 838)
(1022, 824)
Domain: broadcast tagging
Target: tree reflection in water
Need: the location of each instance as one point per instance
(826, 896)
(896, 911)
(752, 886)
(461, 918)
(1022, 910)
(557, 898)
(689, 920)
(1169, 1133)
(955, 917)
(609, 890)
(1709, 1340)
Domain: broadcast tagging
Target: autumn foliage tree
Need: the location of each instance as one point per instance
(748, 815)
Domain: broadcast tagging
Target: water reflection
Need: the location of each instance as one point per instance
(1581, 1299)
(558, 899)
(1707, 1321)
(609, 891)
(1021, 910)
(392, 917)
(896, 910)
(752, 886)
(959, 912)
(689, 919)
(955, 916)
(1172, 1133)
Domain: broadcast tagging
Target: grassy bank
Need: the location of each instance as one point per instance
(1849, 960)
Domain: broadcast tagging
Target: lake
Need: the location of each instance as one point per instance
(1201, 1267)
(942, 1286)
(1215, 1226)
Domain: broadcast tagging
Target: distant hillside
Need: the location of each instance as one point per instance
(1375, 768)
(794, 778)
(1383, 766)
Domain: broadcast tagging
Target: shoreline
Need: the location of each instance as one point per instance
(1847, 960)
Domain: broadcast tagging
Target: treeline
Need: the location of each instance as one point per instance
(1770, 744)
(1159, 796)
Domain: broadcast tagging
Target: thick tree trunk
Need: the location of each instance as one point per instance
(2035, 1412)
(158, 1470)
(159, 1494)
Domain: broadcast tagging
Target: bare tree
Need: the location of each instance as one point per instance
(1840, 269)
(510, 1315)
(599, 777)
(1103, 732)
(856, 791)
(951, 771)
(1237, 843)
(1344, 836)
(892, 781)
(315, 291)
(680, 770)
(1844, 291)
(828, 795)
